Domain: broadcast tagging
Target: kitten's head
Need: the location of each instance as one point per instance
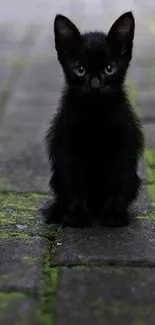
(95, 62)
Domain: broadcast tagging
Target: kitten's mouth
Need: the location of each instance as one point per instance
(97, 91)
(93, 91)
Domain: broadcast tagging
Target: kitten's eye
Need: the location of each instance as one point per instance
(110, 69)
(80, 71)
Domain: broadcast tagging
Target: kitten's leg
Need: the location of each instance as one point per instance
(77, 215)
(70, 206)
(77, 212)
(52, 212)
(115, 212)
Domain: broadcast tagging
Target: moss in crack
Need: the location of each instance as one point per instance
(47, 293)
(54, 233)
(49, 279)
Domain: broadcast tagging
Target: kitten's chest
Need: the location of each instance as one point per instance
(101, 136)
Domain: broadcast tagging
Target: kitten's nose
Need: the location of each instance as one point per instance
(95, 83)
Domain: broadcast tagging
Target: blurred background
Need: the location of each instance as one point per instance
(31, 78)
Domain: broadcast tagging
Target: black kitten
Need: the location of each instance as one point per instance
(95, 140)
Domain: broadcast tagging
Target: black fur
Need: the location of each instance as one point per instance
(95, 140)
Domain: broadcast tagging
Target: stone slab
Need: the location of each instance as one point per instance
(21, 263)
(106, 296)
(23, 240)
(134, 243)
(99, 245)
(16, 308)
(24, 164)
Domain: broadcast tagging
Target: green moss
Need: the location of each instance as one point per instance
(147, 215)
(29, 259)
(150, 171)
(131, 90)
(19, 215)
(150, 167)
(19, 218)
(26, 201)
(49, 279)
(19, 62)
(4, 277)
(47, 292)
(6, 235)
(148, 155)
(150, 162)
(151, 25)
(52, 232)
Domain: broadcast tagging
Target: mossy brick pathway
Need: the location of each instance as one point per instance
(50, 275)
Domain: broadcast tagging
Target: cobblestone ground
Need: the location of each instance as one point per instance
(49, 275)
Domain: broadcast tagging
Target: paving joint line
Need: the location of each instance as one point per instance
(117, 264)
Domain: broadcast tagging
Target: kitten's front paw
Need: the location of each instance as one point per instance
(115, 219)
(52, 213)
(78, 218)
(44, 207)
(115, 212)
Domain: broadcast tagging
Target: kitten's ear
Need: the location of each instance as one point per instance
(66, 33)
(121, 34)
